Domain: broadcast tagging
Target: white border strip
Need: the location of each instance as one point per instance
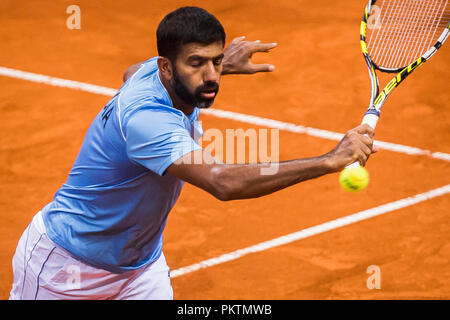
(312, 231)
(269, 123)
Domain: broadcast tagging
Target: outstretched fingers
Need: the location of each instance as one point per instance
(257, 46)
(262, 67)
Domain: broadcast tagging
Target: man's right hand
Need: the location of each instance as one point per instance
(357, 145)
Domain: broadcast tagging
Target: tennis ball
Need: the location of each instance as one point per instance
(354, 178)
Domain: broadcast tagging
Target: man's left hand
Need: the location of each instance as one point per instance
(238, 54)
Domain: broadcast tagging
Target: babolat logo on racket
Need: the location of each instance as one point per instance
(407, 71)
(396, 81)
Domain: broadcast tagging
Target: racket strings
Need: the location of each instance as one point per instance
(400, 31)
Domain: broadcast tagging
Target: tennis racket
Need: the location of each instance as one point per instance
(398, 36)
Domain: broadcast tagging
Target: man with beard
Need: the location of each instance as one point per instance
(101, 236)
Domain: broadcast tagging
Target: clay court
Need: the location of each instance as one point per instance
(320, 82)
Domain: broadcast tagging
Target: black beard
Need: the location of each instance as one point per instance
(196, 99)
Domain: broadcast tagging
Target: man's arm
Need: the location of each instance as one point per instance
(234, 181)
(236, 60)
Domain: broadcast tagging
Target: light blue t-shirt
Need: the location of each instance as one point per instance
(113, 208)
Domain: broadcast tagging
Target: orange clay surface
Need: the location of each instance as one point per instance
(320, 81)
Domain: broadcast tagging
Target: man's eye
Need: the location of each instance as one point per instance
(196, 64)
(218, 61)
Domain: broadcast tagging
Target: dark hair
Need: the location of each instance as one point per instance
(187, 25)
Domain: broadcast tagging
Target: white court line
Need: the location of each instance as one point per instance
(319, 133)
(57, 82)
(269, 123)
(312, 231)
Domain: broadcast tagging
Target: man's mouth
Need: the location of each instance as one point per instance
(208, 95)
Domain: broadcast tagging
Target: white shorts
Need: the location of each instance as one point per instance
(43, 270)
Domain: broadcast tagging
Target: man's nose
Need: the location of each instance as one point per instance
(211, 73)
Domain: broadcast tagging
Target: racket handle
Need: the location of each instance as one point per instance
(370, 119)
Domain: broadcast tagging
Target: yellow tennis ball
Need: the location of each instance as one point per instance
(354, 178)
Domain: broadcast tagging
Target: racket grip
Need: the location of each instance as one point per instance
(370, 119)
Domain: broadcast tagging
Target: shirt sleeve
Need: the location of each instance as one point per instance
(156, 139)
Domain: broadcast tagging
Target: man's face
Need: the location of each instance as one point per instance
(196, 73)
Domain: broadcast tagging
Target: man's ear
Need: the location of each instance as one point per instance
(165, 68)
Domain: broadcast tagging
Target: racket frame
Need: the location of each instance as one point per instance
(377, 98)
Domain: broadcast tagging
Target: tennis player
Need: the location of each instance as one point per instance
(101, 236)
